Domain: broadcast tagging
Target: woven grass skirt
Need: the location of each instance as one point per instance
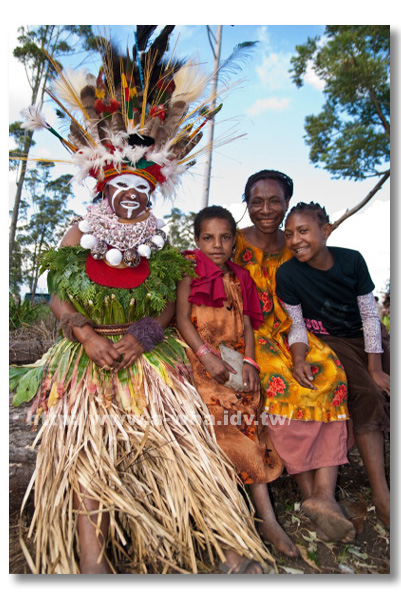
(139, 443)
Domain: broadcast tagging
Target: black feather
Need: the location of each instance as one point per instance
(143, 33)
(160, 44)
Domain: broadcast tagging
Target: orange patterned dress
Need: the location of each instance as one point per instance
(233, 414)
(282, 394)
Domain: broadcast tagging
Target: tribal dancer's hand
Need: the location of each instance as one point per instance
(130, 349)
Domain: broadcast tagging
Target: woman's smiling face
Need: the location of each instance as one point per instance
(267, 205)
(128, 195)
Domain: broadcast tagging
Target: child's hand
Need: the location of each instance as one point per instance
(251, 378)
(131, 350)
(303, 374)
(216, 367)
(381, 379)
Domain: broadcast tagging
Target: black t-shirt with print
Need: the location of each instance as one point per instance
(328, 298)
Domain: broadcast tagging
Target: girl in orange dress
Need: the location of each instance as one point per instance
(221, 306)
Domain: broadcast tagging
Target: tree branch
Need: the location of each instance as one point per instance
(352, 211)
(382, 118)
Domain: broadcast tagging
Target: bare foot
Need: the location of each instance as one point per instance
(326, 515)
(234, 563)
(270, 531)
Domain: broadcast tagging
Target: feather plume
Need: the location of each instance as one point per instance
(68, 87)
(35, 120)
(171, 123)
(159, 46)
(77, 136)
(190, 82)
(237, 59)
(143, 33)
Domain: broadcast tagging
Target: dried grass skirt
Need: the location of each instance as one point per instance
(171, 495)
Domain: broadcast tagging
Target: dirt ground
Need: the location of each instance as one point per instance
(368, 554)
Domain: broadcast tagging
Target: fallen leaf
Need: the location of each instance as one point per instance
(310, 562)
(381, 530)
(312, 536)
(293, 571)
(357, 553)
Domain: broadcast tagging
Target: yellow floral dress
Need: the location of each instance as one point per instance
(282, 394)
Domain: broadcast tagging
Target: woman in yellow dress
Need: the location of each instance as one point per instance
(300, 396)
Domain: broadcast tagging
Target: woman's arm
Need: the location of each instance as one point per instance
(131, 348)
(216, 367)
(298, 342)
(98, 348)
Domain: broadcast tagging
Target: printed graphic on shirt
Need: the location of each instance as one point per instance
(315, 326)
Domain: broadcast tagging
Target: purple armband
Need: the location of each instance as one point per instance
(148, 332)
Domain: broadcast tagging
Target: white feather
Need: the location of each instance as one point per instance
(190, 82)
(68, 86)
(34, 118)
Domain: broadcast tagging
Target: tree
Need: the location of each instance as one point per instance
(36, 44)
(350, 137)
(48, 198)
(181, 229)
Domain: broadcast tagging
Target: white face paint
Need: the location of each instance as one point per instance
(124, 183)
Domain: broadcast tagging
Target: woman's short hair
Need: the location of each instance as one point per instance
(283, 179)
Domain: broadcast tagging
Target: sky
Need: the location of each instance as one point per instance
(268, 110)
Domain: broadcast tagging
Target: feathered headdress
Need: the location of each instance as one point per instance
(142, 114)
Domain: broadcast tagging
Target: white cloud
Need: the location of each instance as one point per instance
(369, 232)
(313, 79)
(272, 103)
(262, 34)
(273, 72)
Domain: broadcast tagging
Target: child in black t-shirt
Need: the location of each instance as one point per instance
(330, 290)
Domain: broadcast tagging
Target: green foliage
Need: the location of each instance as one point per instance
(47, 198)
(22, 312)
(55, 40)
(350, 137)
(68, 279)
(36, 44)
(16, 275)
(181, 231)
(28, 384)
(18, 134)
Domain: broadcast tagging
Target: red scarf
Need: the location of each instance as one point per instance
(208, 288)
